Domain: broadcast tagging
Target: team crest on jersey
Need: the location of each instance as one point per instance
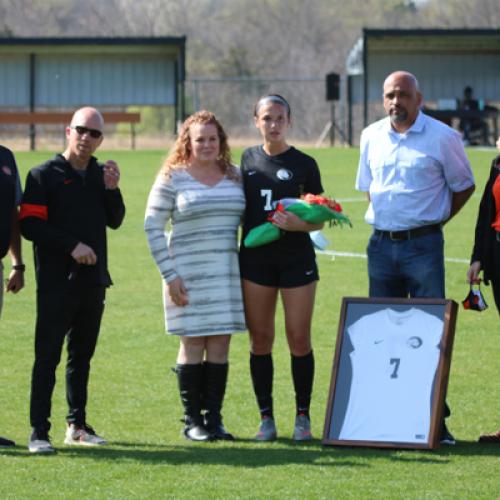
(7, 170)
(414, 342)
(284, 174)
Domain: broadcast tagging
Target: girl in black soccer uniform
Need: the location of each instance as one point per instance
(271, 172)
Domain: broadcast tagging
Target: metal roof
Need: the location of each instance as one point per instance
(64, 72)
(444, 60)
(422, 41)
(433, 40)
(166, 40)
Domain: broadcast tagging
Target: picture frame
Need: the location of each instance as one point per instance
(390, 372)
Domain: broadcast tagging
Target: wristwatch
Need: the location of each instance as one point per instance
(19, 267)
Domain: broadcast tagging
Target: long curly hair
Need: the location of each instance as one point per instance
(181, 151)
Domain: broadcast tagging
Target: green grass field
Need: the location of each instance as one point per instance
(134, 400)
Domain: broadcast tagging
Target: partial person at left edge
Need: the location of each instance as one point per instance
(68, 202)
(10, 239)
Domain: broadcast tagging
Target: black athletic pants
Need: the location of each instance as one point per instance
(74, 314)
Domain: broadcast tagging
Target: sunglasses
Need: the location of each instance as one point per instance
(94, 133)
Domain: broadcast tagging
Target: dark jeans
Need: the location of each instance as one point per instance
(408, 268)
(76, 314)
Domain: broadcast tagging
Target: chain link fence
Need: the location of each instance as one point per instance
(233, 101)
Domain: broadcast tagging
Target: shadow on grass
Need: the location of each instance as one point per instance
(247, 453)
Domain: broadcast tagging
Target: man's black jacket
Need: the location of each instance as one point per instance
(60, 209)
(484, 233)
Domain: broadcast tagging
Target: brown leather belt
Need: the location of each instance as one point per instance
(409, 234)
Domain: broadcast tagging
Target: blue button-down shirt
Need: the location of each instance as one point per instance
(411, 176)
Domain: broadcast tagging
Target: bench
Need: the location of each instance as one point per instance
(49, 117)
(448, 115)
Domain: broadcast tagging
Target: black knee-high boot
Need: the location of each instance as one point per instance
(190, 378)
(214, 389)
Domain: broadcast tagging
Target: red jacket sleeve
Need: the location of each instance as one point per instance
(34, 216)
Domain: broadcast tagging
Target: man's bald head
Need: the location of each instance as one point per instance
(84, 136)
(402, 99)
(403, 75)
(88, 117)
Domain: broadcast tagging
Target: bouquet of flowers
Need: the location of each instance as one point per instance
(310, 208)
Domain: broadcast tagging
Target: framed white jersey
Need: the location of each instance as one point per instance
(390, 372)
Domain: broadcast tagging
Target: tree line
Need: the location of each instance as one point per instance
(246, 38)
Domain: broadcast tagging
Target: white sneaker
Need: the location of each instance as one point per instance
(83, 435)
(40, 443)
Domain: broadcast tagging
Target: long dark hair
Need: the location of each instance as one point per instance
(276, 98)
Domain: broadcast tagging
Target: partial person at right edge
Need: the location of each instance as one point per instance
(417, 177)
(486, 251)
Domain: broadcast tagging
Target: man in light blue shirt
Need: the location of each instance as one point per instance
(417, 177)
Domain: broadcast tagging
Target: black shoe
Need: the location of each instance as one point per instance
(40, 442)
(4, 442)
(447, 436)
(218, 431)
(494, 437)
(195, 431)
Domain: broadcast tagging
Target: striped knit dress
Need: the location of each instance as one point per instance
(201, 249)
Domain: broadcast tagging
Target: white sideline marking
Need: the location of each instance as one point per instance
(460, 261)
(365, 200)
(333, 253)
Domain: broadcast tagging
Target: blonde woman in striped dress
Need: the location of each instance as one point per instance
(198, 192)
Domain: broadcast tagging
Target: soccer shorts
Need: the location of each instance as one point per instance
(271, 266)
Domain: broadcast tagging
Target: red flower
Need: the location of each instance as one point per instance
(315, 199)
(279, 208)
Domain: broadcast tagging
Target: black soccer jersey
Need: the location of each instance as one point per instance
(9, 193)
(267, 179)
